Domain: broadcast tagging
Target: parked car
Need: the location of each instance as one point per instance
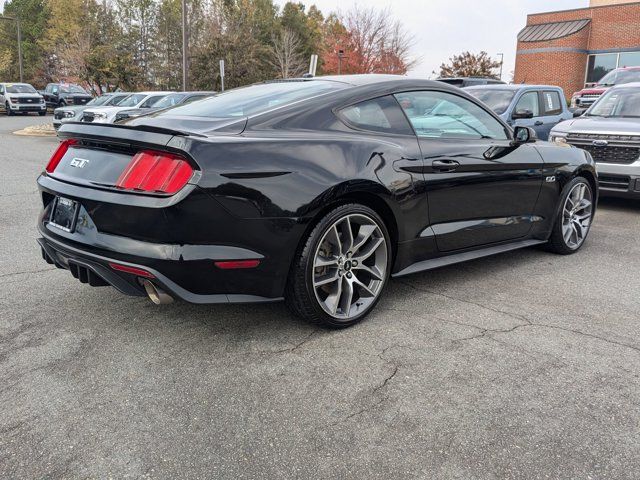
(540, 107)
(139, 100)
(63, 94)
(587, 96)
(462, 82)
(74, 114)
(168, 101)
(610, 132)
(21, 98)
(313, 189)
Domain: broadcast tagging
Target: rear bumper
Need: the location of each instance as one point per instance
(95, 271)
(177, 239)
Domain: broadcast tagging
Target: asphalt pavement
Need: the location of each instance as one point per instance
(521, 366)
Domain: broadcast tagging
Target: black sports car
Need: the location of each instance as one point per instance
(312, 190)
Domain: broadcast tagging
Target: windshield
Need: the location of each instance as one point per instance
(96, 102)
(72, 89)
(169, 100)
(618, 77)
(117, 99)
(255, 99)
(618, 102)
(496, 100)
(20, 88)
(132, 100)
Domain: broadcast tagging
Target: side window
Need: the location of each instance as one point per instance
(195, 98)
(551, 103)
(436, 114)
(379, 115)
(54, 89)
(150, 101)
(1, 89)
(529, 101)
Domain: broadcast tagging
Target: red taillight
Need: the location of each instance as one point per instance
(132, 270)
(237, 264)
(58, 154)
(151, 171)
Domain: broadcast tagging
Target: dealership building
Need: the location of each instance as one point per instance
(572, 48)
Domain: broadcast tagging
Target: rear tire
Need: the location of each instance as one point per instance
(42, 114)
(341, 269)
(574, 218)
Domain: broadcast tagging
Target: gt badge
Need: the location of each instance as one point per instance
(79, 162)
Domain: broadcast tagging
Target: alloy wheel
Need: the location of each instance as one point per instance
(350, 266)
(576, 218)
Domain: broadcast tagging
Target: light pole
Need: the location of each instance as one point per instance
(17, 20)
(501, 63)
(340, 57)
(185, 46)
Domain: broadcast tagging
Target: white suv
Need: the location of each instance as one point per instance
(135, 100)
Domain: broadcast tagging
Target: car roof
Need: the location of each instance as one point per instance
(512, 86)
(626, 85)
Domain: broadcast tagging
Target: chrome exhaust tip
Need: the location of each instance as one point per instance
(156, 294)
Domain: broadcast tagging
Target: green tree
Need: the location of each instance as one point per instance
(32, 25)
(468, 64)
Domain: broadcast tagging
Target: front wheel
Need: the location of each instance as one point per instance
(340, 272)
(8, 109)
(42, 114)
(574, 218)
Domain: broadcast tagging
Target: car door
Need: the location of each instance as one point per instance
(2, 101)
(481, 188)
(527, 112)
(551, 112)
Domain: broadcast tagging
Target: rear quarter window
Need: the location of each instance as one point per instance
(378, 115)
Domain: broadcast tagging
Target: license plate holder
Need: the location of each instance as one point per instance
(64, 214)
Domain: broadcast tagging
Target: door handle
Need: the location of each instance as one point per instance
(538, 123)
(445, 165)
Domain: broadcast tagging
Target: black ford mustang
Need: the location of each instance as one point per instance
(311, 190)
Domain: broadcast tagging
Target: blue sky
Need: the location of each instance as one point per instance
(443, 28)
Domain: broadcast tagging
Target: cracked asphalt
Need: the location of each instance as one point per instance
(521, 366)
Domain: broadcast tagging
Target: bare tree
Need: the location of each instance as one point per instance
(286, 52)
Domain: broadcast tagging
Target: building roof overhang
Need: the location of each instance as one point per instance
(551, 31)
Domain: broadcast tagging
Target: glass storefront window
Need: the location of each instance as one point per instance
(600, 65)
(629, 59)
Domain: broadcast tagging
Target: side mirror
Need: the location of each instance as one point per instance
(578, 112)
(522, 113)
(523, 135)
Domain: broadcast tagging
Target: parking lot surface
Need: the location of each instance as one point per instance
(524, 365)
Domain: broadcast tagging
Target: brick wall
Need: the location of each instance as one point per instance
(612, 27)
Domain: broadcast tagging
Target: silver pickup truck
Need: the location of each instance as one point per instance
(610, 131)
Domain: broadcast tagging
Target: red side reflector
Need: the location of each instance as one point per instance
(58, 154)
(237, 264)
(151, 171)
(132, 270)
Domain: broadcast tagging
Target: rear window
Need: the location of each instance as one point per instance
(552, 105)
(497, 100)
(255, 99)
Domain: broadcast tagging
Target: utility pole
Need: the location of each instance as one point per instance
(17, 20)
(185, 47)
(501, 63)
